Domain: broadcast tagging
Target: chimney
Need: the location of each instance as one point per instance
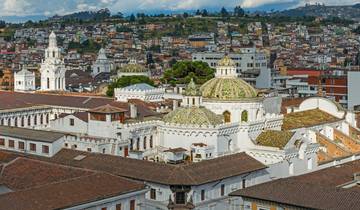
(133, 111)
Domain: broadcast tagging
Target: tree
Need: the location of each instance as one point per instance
(127, 81)
(204, 13)
(224, 12)
(197, 12)
(132, 18)
(155, 48)
(119, 15)
(182, 72)
(186, 15)
(238, 11)
(2, 24)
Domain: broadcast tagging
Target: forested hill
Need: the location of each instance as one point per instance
(320, 10)
(85, 15)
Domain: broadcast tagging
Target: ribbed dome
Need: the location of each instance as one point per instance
(193, 116)
(227, 89)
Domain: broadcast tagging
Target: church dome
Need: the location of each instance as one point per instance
(133, 68)
(227, 89)
(226, 85)
(193, 116)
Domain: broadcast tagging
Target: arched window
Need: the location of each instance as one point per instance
(244, 116)
(131, 144)
(35, 120)
(230, 145)
(16, 122)
(41, 119)
(145, 142)
(2, 122)
(47, 118)
(227, 116)
(138, 144)
(151, 141)
(9, 122)
(28, 121)
(48, 83)
(258, 114)
(22, 122)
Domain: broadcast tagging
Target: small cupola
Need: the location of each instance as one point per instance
(192, 95)
(107, 113)
(226, 68)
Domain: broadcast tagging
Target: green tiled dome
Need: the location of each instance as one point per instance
(193, 116)
(133, 68)
(227, 89)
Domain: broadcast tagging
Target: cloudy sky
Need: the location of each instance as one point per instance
(51, 7)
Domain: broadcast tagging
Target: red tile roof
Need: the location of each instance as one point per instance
(25, 100)
(191, 174)
(317, 190)
(107, 109)
(39, 185)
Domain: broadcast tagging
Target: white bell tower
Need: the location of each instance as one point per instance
(53, 68)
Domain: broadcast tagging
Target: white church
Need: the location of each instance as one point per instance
(53, 68)
(24, 80)
(102, 64)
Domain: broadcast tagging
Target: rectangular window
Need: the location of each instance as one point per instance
(180, 197)
(132, 205)
(222, 190)
(21, 145)
(118, 206)
(202, 195)
(103, 208)
(153, 194)
(2, 142)
(32, 147)
(89, 149)
(45, 149)
(309, 163)
(244, 183)
(11, 143)
(72, 122)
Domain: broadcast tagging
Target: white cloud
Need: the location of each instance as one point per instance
(51, 7)
(15, 7)
(257, 3)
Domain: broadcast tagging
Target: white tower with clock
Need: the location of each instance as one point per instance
(53, 68)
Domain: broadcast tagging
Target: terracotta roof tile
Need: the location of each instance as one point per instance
(24, 100)
(192, 174)
(38, 185)
(107, 109)
(317, 190)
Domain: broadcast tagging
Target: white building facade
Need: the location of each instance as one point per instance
(24, 80)
(53, 68)
(102, 64)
